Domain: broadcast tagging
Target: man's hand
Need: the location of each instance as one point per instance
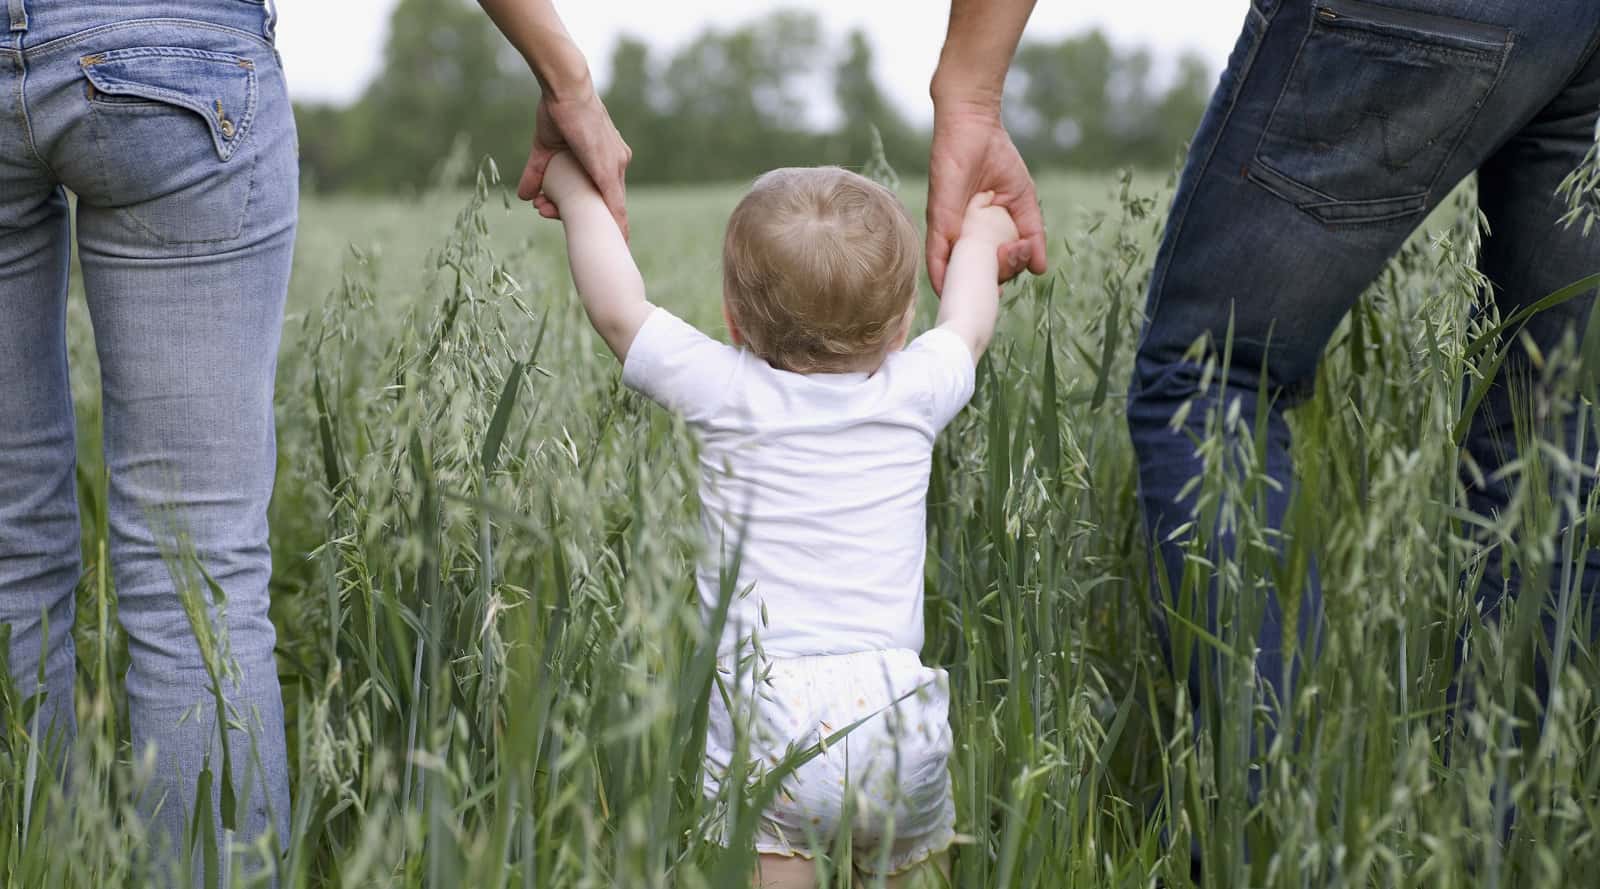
(582, 127)
(972, 154)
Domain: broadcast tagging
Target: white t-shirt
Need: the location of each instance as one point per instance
(824, 477)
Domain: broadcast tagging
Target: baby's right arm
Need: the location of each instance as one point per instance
(607, 279)
(971, 300)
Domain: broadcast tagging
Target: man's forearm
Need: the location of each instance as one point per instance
(982, 38)
(534, 28)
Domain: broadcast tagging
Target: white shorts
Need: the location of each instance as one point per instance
(892, 772)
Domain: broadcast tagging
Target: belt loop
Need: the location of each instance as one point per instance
(19, 15)
(270, 26)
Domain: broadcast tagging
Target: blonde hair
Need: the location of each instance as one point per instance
(819, 269)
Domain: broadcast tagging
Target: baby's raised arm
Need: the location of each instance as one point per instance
(971, 299)
(603, 270)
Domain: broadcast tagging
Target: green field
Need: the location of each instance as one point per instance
(495, 673)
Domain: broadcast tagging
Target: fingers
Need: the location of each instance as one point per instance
(944, 227)
(533, 174)
(938, 258)
(1036, 260)
(546, 207)
(980, 200)
(1030, 227)
(1014, 257)
(614, 192)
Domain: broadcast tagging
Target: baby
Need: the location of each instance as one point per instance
(816, 431)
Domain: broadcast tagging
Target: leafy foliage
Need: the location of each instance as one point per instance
(729, 104)
(496, 675)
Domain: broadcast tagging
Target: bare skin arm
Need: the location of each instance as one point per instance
(570, 116)
(972, 152)
(603, 270)
(971, 299)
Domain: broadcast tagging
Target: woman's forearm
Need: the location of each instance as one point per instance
(978, 47)
(535, 29)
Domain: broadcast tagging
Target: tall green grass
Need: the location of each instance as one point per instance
(496, 674)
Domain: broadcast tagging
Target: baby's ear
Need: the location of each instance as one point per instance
(733, 329)
(905, 327)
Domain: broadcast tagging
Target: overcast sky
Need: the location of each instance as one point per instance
(332, 49)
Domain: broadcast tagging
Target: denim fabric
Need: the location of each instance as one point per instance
(171, 124)
(1337, 126)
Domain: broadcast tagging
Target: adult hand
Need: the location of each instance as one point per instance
(972, 153)
(582, 126)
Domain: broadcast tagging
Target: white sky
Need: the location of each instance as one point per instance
(332, 49)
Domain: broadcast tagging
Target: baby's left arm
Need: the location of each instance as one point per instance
(606, 276)
(970, 303)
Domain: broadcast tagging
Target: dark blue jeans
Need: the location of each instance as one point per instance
(1338, 125)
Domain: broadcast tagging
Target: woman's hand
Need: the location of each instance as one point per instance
(582, 126)
(570, 116)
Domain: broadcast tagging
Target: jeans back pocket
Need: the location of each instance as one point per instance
(170, 124)
(1373, 109)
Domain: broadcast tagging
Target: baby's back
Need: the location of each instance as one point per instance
(816, 483)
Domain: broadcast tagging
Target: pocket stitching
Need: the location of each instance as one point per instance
(136, 219)
(1502, 54)
(225, 147)
(1451, 30)
(63, 43)
(1276, 183)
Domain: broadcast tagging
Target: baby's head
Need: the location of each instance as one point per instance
(819, 270)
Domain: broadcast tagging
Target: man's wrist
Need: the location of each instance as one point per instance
(954, 90)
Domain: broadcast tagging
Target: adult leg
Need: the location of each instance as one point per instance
(39, 557)
(1528, 256)
(186, 219)
(1337, 126)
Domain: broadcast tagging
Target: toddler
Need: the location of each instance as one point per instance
(816, 429)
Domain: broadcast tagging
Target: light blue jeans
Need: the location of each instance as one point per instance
(170, 123)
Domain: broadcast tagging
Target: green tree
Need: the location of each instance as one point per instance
(631, 98)
(736, 102)
(727, 105)
(448, 78)
(862, 106)
(1081, 102)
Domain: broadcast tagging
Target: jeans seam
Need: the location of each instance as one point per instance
(1466, 127)
(22, 110)
(61, 43)
(1444, 163)
(226, 146)
(1180, 215)
(1278, 189)
(1585, 59)
(128, 216)
(1288, 78)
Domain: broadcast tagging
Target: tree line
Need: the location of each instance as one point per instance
(728, 104)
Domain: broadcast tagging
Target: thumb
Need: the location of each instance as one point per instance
(615, 194)
(938, 259)
(532, 181)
